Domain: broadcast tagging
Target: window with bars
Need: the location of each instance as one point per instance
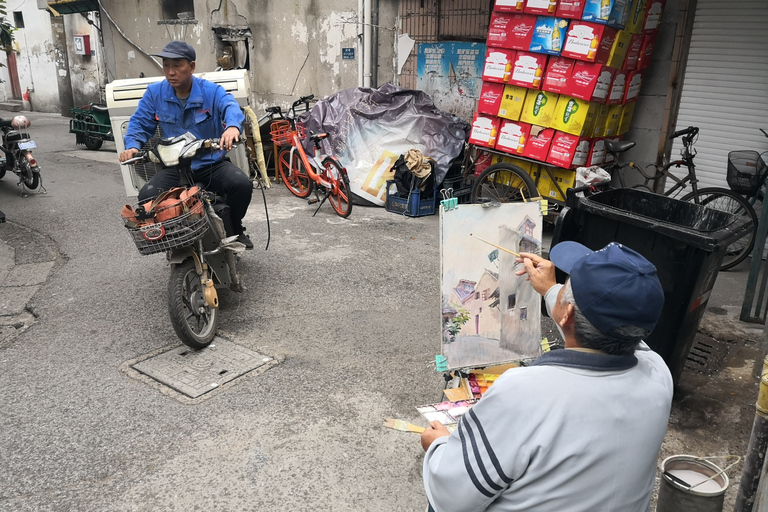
(429, 21)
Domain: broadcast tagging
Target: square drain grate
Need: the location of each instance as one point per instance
(194, 373)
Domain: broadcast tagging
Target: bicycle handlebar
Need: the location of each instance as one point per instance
(691, 130)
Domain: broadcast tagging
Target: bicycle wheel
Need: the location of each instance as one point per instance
(728, 201)
(503, 183)
(339, 198)
(293, 173)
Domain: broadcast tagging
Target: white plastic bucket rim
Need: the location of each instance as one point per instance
(693, 463)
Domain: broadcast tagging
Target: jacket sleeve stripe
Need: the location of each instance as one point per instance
(478, 459)
(468, 465)
(489, 449)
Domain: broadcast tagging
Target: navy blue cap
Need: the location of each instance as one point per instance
(177, 50)
(613, 287)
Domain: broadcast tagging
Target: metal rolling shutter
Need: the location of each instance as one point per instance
(725, 90)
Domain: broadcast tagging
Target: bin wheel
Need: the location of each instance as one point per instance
(731, 202)
(503, 183)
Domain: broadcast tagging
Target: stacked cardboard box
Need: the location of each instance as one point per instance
(561, 76)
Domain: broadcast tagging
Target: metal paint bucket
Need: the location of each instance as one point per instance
(679, 491)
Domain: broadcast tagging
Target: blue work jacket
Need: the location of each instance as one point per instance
(209, 111)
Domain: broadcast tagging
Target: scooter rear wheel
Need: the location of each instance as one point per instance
(193, 320)
(30, 178)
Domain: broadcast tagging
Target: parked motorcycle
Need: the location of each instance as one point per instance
(17, 147)
(193, 227)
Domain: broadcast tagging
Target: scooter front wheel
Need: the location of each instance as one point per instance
(194, 321)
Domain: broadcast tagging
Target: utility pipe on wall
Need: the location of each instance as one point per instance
(362, 45)
(367, 43)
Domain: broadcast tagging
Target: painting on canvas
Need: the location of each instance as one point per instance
(489, 314)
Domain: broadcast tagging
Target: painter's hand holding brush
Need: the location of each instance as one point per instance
(541, 272)
(435, 430)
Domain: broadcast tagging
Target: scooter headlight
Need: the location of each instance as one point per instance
(169, 153)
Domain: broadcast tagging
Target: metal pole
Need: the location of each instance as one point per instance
(758, 441)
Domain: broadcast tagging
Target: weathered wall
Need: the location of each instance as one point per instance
(87, 73)
(294, 48)
(34, 57)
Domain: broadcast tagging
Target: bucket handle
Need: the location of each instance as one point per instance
(689, 486)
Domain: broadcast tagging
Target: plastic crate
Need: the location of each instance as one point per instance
(461, 189)
(745, 168)
(411, 206)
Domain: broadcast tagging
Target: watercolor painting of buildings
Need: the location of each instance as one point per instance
(489, 315)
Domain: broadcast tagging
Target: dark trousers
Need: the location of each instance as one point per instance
(224, 178)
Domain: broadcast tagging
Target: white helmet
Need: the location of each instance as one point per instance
(20, 122)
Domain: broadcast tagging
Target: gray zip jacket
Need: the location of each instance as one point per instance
(573, 431)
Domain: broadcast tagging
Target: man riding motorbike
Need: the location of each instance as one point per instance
(184, 103)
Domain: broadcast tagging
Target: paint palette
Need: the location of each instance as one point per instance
(447, 413)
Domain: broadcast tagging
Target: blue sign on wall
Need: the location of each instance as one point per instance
(451, 73)
(347, 53)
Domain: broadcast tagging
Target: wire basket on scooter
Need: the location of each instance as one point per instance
(181, 225)
(745, 170)
(282, 134)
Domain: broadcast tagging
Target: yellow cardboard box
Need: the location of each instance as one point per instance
(601, 117)
(512, 101)
(612, 123)
(575, 116)
(636, 18)
(619, 49)
(539, 107)
(564, 178)
(626, 117)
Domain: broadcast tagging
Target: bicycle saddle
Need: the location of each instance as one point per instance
(619, 146)
(317, 137)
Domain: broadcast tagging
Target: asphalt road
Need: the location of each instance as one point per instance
(350, 308)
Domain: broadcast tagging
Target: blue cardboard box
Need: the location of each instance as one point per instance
(608, 12)
(549, 35)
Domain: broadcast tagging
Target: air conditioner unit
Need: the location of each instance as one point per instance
(123, 97)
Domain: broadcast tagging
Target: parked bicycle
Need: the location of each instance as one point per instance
(322, 174)
(718, 198)
(501, 182)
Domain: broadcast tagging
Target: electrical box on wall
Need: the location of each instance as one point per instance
(83, 44)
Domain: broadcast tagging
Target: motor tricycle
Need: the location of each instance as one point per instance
(192, 226)
(91, 125)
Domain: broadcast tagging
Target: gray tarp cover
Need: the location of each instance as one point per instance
(369, 128)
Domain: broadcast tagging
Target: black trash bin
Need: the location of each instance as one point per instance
(685, 241)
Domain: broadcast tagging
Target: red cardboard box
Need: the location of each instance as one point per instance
(633, 52)
(589, 41)
(646, 51)
(618, 87)
(568, 151)
(544, 7)
(528, 70)
(596, 153)
(538, 143)
(570, 9)
(559, 71)
(653, 15)
(498, 65)
(490, 98)
(632, 88)
(590, 81)
(509, 5)
(511, 30)
(484, 130)
(512, 136)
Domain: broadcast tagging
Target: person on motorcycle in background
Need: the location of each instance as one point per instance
(185, 103)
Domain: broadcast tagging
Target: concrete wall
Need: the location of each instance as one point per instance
(35, 56)
(649, 121)
(87, 73)
(294, 48)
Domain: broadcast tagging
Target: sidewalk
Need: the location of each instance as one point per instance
(26, 261)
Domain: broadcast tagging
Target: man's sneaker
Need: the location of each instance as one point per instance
(243, 239)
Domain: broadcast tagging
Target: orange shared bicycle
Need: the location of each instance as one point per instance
(321, 173)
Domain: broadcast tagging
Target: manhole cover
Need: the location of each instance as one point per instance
(194, 373)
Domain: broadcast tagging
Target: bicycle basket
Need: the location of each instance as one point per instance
(282, 134)
(179, 230)
(745, 169)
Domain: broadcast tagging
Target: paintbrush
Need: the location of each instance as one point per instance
(403, 426)
(496, 246)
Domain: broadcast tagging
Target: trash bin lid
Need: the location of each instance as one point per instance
(694, 224)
